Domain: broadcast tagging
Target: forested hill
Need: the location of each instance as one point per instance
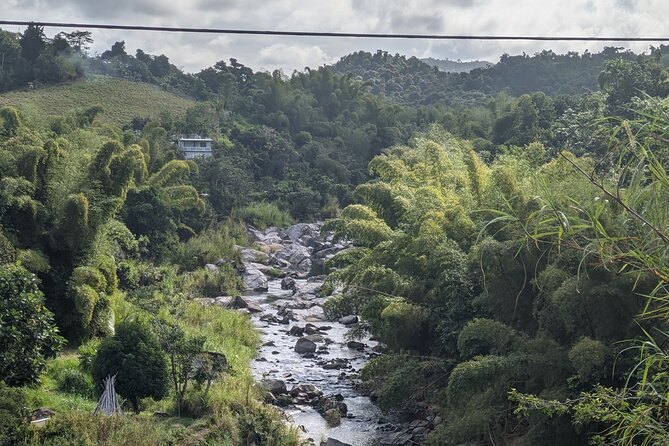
(456, 66)
(411, 81)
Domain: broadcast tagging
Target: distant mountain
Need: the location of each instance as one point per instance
(456, 66)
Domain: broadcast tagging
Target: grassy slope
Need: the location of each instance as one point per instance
(121, 99)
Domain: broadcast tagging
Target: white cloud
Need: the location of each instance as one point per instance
(503, 17)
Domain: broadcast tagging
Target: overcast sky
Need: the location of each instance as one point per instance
(194, 52)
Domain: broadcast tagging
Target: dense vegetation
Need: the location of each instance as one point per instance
(500, 218)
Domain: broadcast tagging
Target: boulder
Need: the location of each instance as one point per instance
(288, 283)
(275, 386)
(303, 231)
(296, 331)
(309, 290)
(252, 255)
(248, 304)
(305, 346)
(311, 329)
(315, 338)
(205, 300)
(308, 389)
(254, 279)
(333, 442)
(348, 320)
(225, 301)
(211, 268)
(298, 257)
(355, 345)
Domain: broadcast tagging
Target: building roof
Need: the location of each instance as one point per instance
(195, 139)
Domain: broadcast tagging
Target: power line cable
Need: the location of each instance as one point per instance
(256, 32)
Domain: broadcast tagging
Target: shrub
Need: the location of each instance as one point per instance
(485, 337)
(590, 359)
(27, 331)
(402, 325)
(224, 281)
(210, 246)
(87, 352)
(13, 415)
(75, 382)
(128, 274)
(133, 354)
(263, 214)
(337, 306)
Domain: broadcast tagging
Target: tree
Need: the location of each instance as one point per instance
(182, 351)
(117, 50)
(27, 332)
(79, 39)
(133, 354)
(32, 42)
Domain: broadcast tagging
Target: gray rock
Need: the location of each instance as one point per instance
(379, 348)
(288, 283)
(211, 267)
(247, 304)
(303, 231)
(205, 300)
(355, 345)
(311, 329)
(225, 301)
(298, 256)
(308, 389)
(333, 442)
(305, 346)
(315, 338)
(254, 279)
(348, 320)
(296, 331)
(250, 255)
(275, 386)
(309, 290)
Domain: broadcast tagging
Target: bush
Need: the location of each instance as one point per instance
(207, 283)
(262, 215)
(79, 428)
(210, 246)
(133, 354)
(485, 337)
(27, 331)
(590, 359)
(87, 352)
(13, 415)
(128, 274)
(337, 306)
(76, 382)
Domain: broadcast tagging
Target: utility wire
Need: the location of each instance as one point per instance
(256, 32)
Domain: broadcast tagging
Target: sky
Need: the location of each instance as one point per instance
(194, 52)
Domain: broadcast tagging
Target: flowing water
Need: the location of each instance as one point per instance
(280, 361)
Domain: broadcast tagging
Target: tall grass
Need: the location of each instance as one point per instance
(211, 246)
(263, 214)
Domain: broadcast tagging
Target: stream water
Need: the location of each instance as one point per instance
(278, 360)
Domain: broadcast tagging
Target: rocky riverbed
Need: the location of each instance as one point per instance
(306, 363)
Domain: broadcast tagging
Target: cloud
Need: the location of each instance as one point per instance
(299, 56)
(502, 17)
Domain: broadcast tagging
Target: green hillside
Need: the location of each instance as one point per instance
(122, 99)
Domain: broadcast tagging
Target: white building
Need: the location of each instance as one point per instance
(194, 146)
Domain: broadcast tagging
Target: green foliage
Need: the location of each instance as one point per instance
(10, 121)
(263, 214)
(14, 415)
(27, 331)
(76, 382)
(590, 359)
(134, 355)
(84, 428)
(485, 337)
